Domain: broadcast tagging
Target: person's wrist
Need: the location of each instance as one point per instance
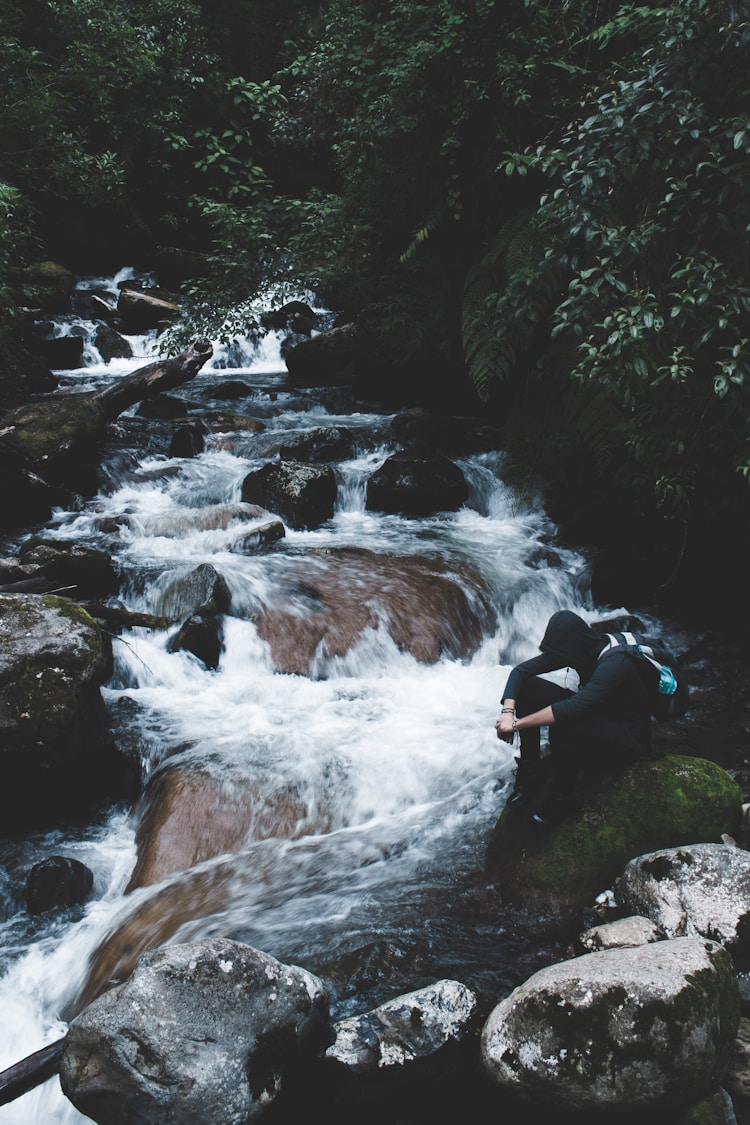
(508, 711)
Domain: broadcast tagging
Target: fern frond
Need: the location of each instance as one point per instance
(421, 236)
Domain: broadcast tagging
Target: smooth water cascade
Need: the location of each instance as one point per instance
(369, 784)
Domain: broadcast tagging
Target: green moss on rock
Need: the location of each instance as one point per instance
(655, 804)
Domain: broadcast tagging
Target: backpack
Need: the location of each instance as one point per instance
(669, 694)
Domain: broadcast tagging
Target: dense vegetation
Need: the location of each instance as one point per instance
(537, 208)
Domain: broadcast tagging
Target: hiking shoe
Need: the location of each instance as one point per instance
(528, 778)
(551, 812)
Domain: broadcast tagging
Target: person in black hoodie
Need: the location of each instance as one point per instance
(604, 725)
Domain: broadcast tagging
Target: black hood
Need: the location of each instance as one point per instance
(569, 639)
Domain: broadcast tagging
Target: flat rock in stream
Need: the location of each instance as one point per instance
(330, 600)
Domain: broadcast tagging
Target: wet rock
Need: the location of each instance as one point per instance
(303, 495)
(83, 572)
(284, 317)
(250, 542)
(232, 389)
(111, 345)
(187, 441)
(696, 889)
(625, 1027)
(331, 443)
(54, 435)
(164, 407)
(373, 964)
(202, 636)
(55, 756)
(201, 590)
(189, 815)
(57, 881)
(218, 422)
(418, 1031)
(202, 1032)
(549, 877)
(413, 485)
(328, 601)
(142, 311)
(737, 1077)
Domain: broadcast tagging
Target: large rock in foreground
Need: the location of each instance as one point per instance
(551, 876)
(646, 1027)
(201, 1033)
(53, 748)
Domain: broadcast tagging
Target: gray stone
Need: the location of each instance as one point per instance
(696, 890)
(624, 933)
(411, 1029)
(647, 1027)
(201, 1033)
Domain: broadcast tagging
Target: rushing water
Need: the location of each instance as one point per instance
(395, 763)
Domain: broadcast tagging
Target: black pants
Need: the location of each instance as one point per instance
(596, 743)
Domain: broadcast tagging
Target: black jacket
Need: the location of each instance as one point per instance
(614, 687)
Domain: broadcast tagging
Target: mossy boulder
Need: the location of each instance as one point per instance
(53, 431)
(550, 877)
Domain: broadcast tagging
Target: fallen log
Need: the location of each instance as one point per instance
(30, 1072)
(126, 618)
(163, 375)
(60, 430)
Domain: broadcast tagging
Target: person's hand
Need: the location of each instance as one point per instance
(504, 726)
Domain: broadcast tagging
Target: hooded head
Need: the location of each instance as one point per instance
(569, 639)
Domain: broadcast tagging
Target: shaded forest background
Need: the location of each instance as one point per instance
(534, 211)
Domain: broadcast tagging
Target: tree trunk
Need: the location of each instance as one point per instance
(163, 375)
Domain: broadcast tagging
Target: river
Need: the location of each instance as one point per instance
(394, 762)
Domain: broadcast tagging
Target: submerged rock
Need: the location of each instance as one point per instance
(551, 876)
(328, 601)
(203, 1032)
(647, 1027)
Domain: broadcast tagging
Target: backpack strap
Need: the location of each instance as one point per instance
(629, 641)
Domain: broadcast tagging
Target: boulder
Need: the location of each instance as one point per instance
(163, 407)
(328, 601)
(201, 590)
(265, 534)
(231, 389)
(57, 881)
(55, 756)
(45, 285)
(411, 484)
(111, 345)
(202, 1032)
(203, 636)
(303, 495)
(650, 1027)
(549, 877)
(330, 358)
(84, 572)
(187, 441)
(421, 1031)
(142, 311)
(329, 443)
(694, 890)
(60, 353)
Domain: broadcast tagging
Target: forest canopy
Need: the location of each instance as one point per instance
(541, 208)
